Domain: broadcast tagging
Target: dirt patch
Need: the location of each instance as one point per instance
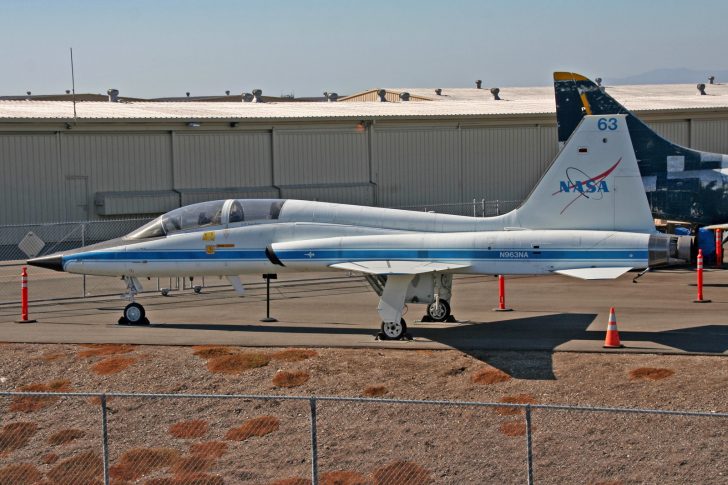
(488, 376)
(20, 473)
(515, 399)
(210, 351)
(49, 458)
(375, 391)
(290, 378)
(192, 464)
(137, 462)
(236, 363)
(343, 477)
(102, 350)
(613, 482)
(292, 481)
(195, 428)
(209, 449)
(260, 426)
(112, 365)
(52, 356)
(15, 436)
(293, 355)
(514, 428)
(29, 404)
(65, 436)
(402, 473)
(455, 371)
(188, 479)
(87, 468)
(650, 373)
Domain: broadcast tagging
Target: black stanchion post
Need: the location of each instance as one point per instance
(268, 277)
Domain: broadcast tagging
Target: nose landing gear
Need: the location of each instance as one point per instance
(134, 313)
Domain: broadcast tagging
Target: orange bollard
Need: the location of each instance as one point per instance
(700, 298)
(611, 341)
(24, 298)
(502, 295)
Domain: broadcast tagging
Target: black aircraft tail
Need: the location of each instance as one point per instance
(681, 183)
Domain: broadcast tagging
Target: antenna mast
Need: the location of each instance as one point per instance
(73, 86)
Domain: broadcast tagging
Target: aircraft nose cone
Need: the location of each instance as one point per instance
(54, 262)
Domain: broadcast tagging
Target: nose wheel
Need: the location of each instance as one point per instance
(394, 330)
(134, 314)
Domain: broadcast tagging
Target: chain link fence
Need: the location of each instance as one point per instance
(171, 439)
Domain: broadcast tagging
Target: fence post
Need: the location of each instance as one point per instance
(482, 206)
(83, 243)
(529, 453)
(314, 443)
(105, 433)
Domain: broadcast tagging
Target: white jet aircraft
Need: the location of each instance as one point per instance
(588, 217)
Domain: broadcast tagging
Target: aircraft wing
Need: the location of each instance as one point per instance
(723, 226)
(594, 273)
(397, 267)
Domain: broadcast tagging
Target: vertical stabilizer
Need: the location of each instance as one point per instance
(594, 183)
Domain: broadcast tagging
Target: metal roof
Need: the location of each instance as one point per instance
(454, 102)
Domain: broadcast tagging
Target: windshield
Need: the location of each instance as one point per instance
(206, 214)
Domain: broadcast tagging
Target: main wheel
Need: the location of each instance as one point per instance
(134, 313)
(438, 312)
(394, 330)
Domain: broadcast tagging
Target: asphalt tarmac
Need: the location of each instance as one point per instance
(553, 313)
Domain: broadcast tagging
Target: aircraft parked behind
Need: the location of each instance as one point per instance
(588, 217)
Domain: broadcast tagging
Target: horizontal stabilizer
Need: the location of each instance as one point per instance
(594, 273)
(713, 227)
(397, 267)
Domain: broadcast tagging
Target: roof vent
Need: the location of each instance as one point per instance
(598, 81)
(331, 97)
(258, 96)
(494, 92)
(478, 84)
(188, 94)
(227, 92)
(711, 79)
(382, 95)
(28, 93)
(438, 91)
(405, 96)
(113, 95)
(248, 98)
(701, 89)
(68, 91)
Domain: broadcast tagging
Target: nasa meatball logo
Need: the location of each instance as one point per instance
(581, 184)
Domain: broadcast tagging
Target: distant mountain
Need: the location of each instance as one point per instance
(674, 76)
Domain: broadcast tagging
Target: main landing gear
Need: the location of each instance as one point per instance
(134, 313)
(394, 331)
(438, 311)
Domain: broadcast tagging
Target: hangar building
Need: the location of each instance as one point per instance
(125, 159)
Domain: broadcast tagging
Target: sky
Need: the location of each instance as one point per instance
(149, 48)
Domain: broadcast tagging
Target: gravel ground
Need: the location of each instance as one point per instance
(361, 443)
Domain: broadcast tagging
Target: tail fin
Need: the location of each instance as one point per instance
(593, 183)
(684, 184)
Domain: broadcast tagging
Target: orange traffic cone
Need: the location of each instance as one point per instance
(612, 339)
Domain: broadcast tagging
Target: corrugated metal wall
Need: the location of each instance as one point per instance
(675, 131)
(710, 135)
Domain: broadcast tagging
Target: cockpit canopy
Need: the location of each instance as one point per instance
(218, 213)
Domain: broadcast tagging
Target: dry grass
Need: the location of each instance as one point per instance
(195, 428)
(290, 378)
(488, 376)
(31, 403)
(112, 365)
(610, 482)
(210, 351)
(292, 481)
(375, 391)
(402, 473)
(15, 436)
(209, 449)
(260, 426)
(86, 468)
(293, 355)
(19, 473)
(65, 436)
(514, 428)
(343, 477)
(52, 356)
(650, 373)
(236, 363)
(96, 400)
(103, 350)
(49, 458)
(188, 479)
(137, 462)
(515, 399)
(192, 464)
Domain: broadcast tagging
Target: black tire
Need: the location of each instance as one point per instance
(438, 313)
(394, 331)
(134, 314)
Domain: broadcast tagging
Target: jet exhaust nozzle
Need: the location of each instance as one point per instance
(666, 249)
